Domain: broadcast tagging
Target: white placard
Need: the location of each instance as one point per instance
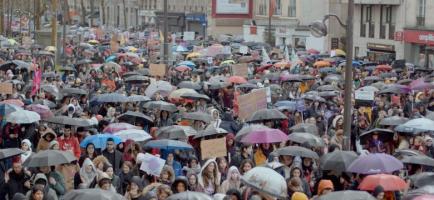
(188, 36)
(152, 164)
(364, 95)
(244, 49)
(210, 61)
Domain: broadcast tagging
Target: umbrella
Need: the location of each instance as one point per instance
(227, 62)
(406, 152)
(347, 195)
(116, 127)
(404, 81)
(189, 195)
(111, 98)
(422, 124)
(264, 136)
(267, 114)
(326, 94)
(6, 108)
(321, 63)
(43, 111)
(403, 129)
(190, 85)
(137, 79)
(182, 68)
(65, 120)
(195, 96)
(15, 102)
(385, 134)
(9, 152)
(160, 105)
(425, 197)
(50, 89)
(337, 160)
(99, 140)
(305, 127)
(112, 66)
(387, 181)
(66, 68)
(422, 179)
(214, 85)
(110, 58)
(266, 180)
(383, 67)
(176, 94)
(327, 88)
(425, 190)
(45, 102)
(248, 85)
(83, 61)
(418, 160)
(375, 163)
(73, 91)
(130, 115)
(306, 138)
(47, 158)
(297, 151)
(23, 117)
(333, 78)
(175, 132)
(193, 55)
(247, 129)
(210, 131)
(313, 97)
(393, 121)
(138, 98)
(237, 80)
(168, 145)
(372, 78)
(187, 63)
(94, 194)
(163, 87)
(133, 134)
(198, 116)
(368, 88)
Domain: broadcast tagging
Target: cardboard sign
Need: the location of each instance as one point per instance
(189, 36)
(213, 148)
(252, 102)
(157, 70)
(364, 95)
(6, 88)
(240, 69)
(244, 49)
(152, 164)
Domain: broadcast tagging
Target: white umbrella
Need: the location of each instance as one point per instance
(133, 134)
(421, 124)
(23, 117)
(163, 87)
(266, 180)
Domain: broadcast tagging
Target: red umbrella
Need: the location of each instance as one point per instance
(384, 67)
(237, 80)
(16, 102)
(387, 181)
(182, 68)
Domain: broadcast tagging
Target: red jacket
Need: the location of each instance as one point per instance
(71, 144)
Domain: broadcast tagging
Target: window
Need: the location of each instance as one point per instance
(155, 4)
(420, 18)
(362, 22)
(262, 8)
(277, 7)
(370, 22)
(383, 21)
(292, 8)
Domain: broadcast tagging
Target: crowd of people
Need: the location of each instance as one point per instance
(86, 126)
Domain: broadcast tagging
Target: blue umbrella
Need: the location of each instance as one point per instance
(110, 58)
(180, 48)
(166, 144)
(99, 140)
(187, 63)
(8, 108)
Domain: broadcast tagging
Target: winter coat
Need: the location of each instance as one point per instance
(14, 185)
(43, 144)
(117, 162)
(70, 144)
(49, 194)
(59, 187)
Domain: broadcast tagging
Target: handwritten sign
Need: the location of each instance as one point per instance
(252, 102)
(157, 70)
(240, 70)
(152, 164)
(6, 88)
(213, 148)
(189, 36)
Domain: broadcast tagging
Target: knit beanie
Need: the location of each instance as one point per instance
(299, 196)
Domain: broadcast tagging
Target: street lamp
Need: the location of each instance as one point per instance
(319, 29)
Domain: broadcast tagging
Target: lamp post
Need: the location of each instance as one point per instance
(319, 29)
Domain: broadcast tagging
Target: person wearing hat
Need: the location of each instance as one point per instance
(324, 187)
(104, 182)
(40, 180)
(26, 146)
(299, 196)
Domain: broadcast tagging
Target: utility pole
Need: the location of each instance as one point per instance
(349, 76)
(165, 45)
(92, 10)
(1, 17)
(53, 23)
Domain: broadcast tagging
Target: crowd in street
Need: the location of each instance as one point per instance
(111, 122)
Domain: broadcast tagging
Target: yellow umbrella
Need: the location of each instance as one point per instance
(50, 48)
(12, 41)
(229, 62)
(321, 63)
(132, 49)
(194, 55)
(340, 52)
(93, 42)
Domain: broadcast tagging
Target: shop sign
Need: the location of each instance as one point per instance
(419, 37)
(382, 47)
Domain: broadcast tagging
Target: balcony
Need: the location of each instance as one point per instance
(378, 2)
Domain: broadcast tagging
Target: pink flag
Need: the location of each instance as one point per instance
(36, 80)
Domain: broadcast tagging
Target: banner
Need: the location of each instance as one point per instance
(6, 88)
(157, 70)
(241, 69)
(213, 148)
(252, 102)
(152, 164)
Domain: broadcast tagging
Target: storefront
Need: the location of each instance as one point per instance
(196, 22)
(381, 53)
(419, 45)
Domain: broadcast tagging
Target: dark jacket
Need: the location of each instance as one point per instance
(14, 185)
(115, 160)
(49, 194)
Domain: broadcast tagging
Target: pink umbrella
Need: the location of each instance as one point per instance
(424, 197)
(42, 110)
(16, 102)
(420, 84)
(115, 127)
(182, 68)
(265, 136)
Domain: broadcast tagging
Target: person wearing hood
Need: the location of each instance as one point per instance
(41, 180)
(180, 184)
(55, 179)
(26, 146)
(86, 176)
(134, 189)
(104, 182)
(216, 121)
(193, 166)
(167, 175)
(232, 180)
(209, 177)
(46, 137)
(324, 187)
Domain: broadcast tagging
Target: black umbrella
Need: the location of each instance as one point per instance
(211, 131)
(50, 89)
(347, 195)
(305, 127)
(15, 64)
(333, 78)
(195, 96)
(313, 97)
(160, 105)
(49, 158)
(45, 102)
(9, 152)
(44, 53)
(65, 120)
(143, 71)
(418, 160)
(337, 160)
(129, 115)
(83, 61)
(267, 114)
(422, 179)
(67, 68)
(326, 94)
(372, 78)
(393, 121)
(189, 85)
(384, 134)
(306, 138)
(297, 151)
(175, 132)
(327, 88)
(137, 79)
(111, 98)
(73, 91)
(198, 116)
(128, 74)
(94, 194)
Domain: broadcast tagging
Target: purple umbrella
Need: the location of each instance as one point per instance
(420, 84)
(266, 136)
(375, 163)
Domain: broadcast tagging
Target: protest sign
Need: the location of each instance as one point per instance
(213, 148)
(157, 70)
(209, 60)
(240, 69)
(188, 36)
(152, 164)
(243, 49)
(252, 102)
(364, 95)
(6, 88)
